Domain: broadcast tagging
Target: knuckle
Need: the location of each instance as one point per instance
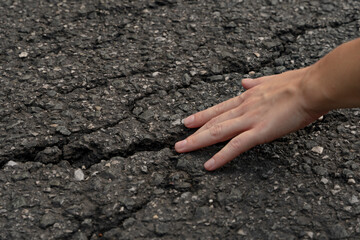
(235, 143)
(236, 112)
(210, 123)
(247, 94)
(190, 141)
(243, 109)
(262, 136)
(216, 130)
(218, 109)
(257, 139)
(239, 99)
(199, 117)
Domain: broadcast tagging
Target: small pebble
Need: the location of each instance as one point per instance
(79, 174)
(241, 232)
(354, 199)
(310, 234)
(155, 74)
(176, 122)
(324, 180)
(144, 169)
(333, 192)
(11, 163)
(318, 149)
(351, 181)
(336, 189)
(23, 54)
(63, 130)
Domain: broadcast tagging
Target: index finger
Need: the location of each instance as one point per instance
(198, 119)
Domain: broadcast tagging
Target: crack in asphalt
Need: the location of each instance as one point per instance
(301, 30)
(154, 144)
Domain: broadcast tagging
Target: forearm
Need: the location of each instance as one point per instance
(334, 81)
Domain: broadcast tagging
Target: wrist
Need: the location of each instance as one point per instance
(334, 81)
(317, 97)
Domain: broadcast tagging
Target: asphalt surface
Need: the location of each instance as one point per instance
(92, 94)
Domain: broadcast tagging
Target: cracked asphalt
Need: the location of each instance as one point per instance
(91, 101)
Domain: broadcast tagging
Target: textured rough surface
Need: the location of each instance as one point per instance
(91, 101)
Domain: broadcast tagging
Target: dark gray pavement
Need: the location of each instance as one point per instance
(91, 98)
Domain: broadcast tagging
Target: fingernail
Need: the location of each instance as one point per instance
(209, 165)
(188, 120)
(180, 145)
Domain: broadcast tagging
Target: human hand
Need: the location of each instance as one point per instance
(272, 107)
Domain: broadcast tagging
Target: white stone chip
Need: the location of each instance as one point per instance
(177, 122)
(241, 232)
(354, 199)
(318, 149)
(310, 234)
(23, 54)
(79, 175)
(351, 181)
(155, 74)
(11, 163)
(324, 180)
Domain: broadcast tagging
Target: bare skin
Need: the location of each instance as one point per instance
(276, 105)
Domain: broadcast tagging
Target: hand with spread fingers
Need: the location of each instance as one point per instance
(276, 105)
(270, 108)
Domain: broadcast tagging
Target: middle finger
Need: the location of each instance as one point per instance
(217, 133)
(231, 114)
